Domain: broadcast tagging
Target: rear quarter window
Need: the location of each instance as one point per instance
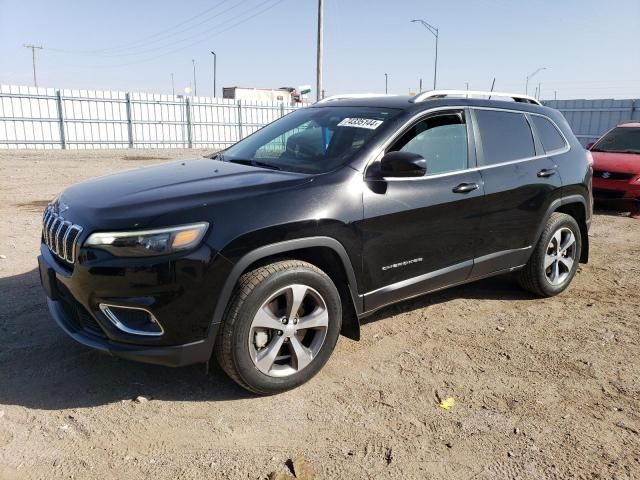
(549, 135)
(505, 136)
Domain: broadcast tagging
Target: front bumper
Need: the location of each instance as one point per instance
(171, 356)
(618, 194)
(180, 292)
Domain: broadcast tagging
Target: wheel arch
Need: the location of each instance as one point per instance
(576, 207)
(326, 253)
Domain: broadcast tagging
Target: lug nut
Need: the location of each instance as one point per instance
(279, 333)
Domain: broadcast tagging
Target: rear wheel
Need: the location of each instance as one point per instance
(554, 261)
(280, 327)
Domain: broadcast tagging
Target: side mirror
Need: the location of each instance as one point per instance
(403, 164)
(590, 144)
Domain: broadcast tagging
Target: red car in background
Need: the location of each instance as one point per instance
(616, 168)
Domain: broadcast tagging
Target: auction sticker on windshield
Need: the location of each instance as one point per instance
(368, 123)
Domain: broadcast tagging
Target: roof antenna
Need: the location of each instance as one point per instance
(493, 84)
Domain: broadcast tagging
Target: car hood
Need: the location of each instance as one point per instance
(616, 162)
(137, 197)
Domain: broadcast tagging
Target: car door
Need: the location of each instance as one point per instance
(520, 183)
(418, 233)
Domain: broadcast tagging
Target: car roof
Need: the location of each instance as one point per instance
(630, 124)
(406, 103)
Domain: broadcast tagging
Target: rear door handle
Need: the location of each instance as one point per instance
(465, 188)
(546, 172)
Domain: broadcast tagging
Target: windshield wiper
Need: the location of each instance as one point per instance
(254, 163)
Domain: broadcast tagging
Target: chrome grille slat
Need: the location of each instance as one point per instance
(55, 228)
(45, 219)
(60, 236)
(48, 227)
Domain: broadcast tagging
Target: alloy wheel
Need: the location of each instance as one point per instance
(288, 330)
(560, 256)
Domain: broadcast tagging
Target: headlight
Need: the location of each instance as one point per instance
(149, 242)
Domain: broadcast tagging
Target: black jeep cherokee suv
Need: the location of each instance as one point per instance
(266, 252)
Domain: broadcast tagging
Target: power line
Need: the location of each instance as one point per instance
(203, 39)
(162, 33)
(174, 42)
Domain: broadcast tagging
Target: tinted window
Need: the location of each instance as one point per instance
(620, 140)
(311, 140)
(441, 140)
(506, 136)
(548, 133)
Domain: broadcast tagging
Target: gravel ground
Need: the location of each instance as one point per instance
(543, 388)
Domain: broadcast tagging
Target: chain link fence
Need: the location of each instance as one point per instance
(76, 119)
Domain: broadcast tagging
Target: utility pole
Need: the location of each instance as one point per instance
(319, 55)
(386, 83)
(555, 95)
(33, 58)
(173, 88)
(214, 72)
(195, 87)
(434, 31)
(420, 89)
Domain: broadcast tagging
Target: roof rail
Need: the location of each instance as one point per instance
(346, 96)
(433, 94)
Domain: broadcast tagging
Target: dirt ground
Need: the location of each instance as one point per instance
(543, 388)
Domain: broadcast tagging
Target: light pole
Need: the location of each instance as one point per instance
(173, 88)
(214, 72)
(530, 76)
(434, 32)
(386, 83)
(195, 88)
(319, 52)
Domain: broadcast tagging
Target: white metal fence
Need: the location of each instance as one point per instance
(589, 119)
(46, 118)
(75, 119)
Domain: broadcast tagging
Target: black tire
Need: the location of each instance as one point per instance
(533, 276)
(254, 288)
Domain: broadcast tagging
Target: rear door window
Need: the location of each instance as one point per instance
(505, 136)
(549, 135)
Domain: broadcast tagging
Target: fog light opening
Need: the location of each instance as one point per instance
(132, 320)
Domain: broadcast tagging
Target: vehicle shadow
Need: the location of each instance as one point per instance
(42, 368)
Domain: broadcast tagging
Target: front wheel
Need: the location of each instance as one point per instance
(280, 326)
(554, 261)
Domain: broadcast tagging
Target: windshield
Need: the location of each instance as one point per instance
(311, 140)
(619, 140)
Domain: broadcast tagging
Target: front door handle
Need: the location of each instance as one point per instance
(546, 172)
(465, 188)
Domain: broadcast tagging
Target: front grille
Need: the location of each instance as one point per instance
(607, 194)
(612, 175)
(60, 235)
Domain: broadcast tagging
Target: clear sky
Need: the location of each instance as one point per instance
(591, 48)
